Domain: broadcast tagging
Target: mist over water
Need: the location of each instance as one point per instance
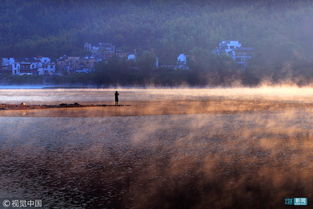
(162, 148)
(188, 161)
(217, 160)
(56, 96)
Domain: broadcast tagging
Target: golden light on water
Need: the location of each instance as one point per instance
(270, 92)
(226, 142)
(147, 94)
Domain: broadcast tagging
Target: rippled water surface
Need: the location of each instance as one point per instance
(238, 160)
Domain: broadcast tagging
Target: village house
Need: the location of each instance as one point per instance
(131, 57)
(121, 52)
(45, 66)
(68, 64)
(28, 66)
(100, 51)
(105, 51)
(47, 69)
(86, 65)
(6, 65)
(181, 63)
(108, 51)
(36, 66)
(15, 68)
(227, 47)
(240, 55)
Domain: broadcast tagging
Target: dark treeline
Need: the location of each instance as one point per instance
(280, 31)
(118, 72)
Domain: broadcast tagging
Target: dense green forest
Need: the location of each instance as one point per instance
(280, 31)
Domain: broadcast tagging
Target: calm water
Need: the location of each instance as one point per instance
(185, 161)
(242, 160)
(56, 96)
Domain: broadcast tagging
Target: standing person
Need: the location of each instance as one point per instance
(116, 97)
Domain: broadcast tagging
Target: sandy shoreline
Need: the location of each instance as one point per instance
(138, 108)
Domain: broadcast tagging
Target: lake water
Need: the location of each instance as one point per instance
(240, 160)
(56, 96)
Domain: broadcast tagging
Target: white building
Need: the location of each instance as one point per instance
(6, 65)
(16, 68)
(182, 59)
(240, 55)
(7, 61)
(47, 69)
(228, 46)
(131, 57)
(33, 66)
(181, 62)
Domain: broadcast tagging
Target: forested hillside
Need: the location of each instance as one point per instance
(280, 31)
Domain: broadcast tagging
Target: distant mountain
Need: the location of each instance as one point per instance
(278, 30)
